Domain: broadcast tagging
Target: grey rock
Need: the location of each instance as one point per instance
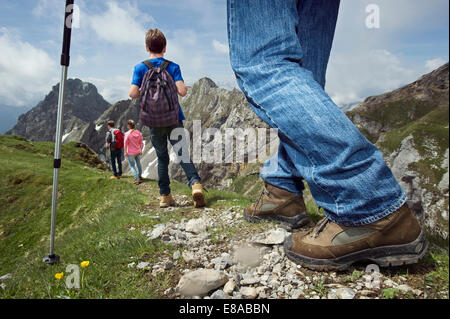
(142, 265)
(200, 282)
(248, 292)
(5, 277)
(157, 231)
(219, 294)
(176, 255)
(272, 237)
(341, 293)
(196, 226)
(229, 286)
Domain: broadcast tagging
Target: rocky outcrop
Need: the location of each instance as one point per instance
(83, 104)
(410, 125)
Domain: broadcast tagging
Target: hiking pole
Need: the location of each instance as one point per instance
(52, 258)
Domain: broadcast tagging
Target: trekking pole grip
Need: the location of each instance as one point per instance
(65, 55)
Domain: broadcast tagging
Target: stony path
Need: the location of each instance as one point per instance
(219, 255)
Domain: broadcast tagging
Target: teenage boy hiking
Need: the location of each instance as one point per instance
(279, 51)
(114, 141)
(158, 82)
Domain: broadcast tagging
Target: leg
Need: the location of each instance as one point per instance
(158, 136)
(138, 164)
(132, 162)
(284, 175)
(316, 25)
(113, 161)
(177, 137)
(119, 161)
(346, 173)
(316, 42)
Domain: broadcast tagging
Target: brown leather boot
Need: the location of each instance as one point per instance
(392, 241)
(198, 195)
(279, 205)
(166, 201)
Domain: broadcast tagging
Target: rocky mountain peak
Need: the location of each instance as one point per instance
(203, 86)
(83, 104)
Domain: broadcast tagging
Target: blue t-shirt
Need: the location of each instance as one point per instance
(173, 69)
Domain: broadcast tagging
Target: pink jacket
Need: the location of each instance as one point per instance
(133, 142)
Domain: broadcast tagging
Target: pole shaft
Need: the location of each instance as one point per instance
(65, 60)
(57, 155)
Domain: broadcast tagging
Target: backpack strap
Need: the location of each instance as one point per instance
(149, 64)
(164, 65)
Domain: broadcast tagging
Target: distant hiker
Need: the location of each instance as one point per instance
(133, 150)
(114, 141)
(158, 82)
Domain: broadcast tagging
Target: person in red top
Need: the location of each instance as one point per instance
(133, 149)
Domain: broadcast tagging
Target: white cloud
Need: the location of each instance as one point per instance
(433, 64)
(220, 47)
(367, 73)
(26, 72)
(119, 24)
(366, 62)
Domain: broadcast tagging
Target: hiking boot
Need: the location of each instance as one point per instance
(392, 241)
(279, 205)
(198, 196)
(166, 201)
(113, 177)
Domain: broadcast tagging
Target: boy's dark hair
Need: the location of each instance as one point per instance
(155, 40)
(111, 123)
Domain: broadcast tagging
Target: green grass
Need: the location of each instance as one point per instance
(93, 223)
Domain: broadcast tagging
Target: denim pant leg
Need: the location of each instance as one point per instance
(132, 162)
(119, 160)
(314, 17)
(137, 159)
(345, 172)
(179, 140)
(113, 155)
(159, 136)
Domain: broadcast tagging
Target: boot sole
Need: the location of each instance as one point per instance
(293, 222)
(199, 199)
(384, 256)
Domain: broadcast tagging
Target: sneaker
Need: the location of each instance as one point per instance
(166, 201)
(198, 195)
(392, 241)
(279, 205)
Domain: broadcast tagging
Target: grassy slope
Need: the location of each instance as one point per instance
(94, 225)
(93, 222)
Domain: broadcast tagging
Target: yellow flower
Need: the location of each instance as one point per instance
(59, 275)
(85, 263)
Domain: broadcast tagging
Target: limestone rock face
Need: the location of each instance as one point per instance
(83, 104)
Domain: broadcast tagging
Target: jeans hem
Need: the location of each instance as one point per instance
(372, 219)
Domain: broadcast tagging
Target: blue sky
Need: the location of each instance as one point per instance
(411, 41)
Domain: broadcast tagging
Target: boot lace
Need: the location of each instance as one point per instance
(264, 192)
(319, 227)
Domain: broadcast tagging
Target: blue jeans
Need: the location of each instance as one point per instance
(279, 51)
(116, 156)
(159, 137)
(134, 161)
